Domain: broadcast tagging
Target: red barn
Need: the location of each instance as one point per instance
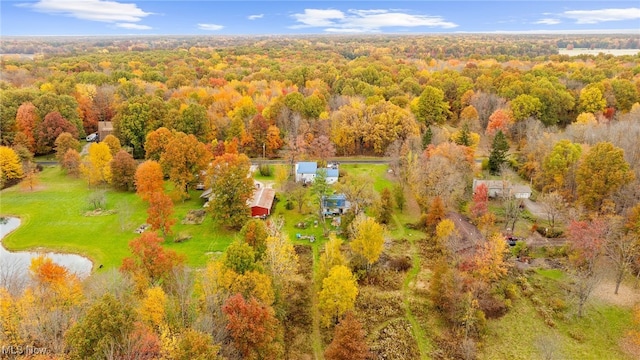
(262, 202)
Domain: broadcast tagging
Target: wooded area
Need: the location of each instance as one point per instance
(419, 267)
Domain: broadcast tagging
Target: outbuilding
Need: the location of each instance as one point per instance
(262, 202)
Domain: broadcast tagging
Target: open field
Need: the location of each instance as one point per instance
(523, 334)
(614, 52)
(53, 219)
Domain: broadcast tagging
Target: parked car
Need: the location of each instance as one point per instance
(92, 137)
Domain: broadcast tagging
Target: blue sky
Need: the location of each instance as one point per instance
(120, 17)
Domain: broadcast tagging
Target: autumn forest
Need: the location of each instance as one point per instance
(488, 196)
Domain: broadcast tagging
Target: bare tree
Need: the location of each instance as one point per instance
(181, 290)
(548, 347)
(555, 208)
(359, 191)
(12, 276)
(621, 247)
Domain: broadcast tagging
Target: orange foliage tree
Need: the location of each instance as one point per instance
(150, 262)
(160, 213)
(149, 179)
(185, 158)
(253, 327)
(348, 341)
(499, 120)
(26, 121)
(156, 143)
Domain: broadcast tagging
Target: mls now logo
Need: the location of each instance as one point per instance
(22, 350)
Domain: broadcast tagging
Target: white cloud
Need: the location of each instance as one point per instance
(317, 17)
(359, 21)
(602, 15)
(94, 10)
(255, 17)
(548, 21)
(133, 26)
(210, 27)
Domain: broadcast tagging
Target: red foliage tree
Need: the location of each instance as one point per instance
(144, 343)
(586, 239)
(480, 201)
(348, 341)
(48, 130)
(150, 262)
(254, 328)
(123, 171)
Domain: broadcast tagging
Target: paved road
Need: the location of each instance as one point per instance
(381, 161)
(338, 160)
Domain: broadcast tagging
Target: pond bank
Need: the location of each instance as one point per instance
(18, 262)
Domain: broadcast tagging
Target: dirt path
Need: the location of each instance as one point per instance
(627, 295)
(419, 333)
(316, 337)
(471, 236)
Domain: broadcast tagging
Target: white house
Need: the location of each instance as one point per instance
(497, 188)
(306, 172)
(332, 175)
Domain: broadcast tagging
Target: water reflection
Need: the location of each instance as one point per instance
(16, 264)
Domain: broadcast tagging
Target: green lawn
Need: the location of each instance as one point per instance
(523, 334)
(53, 218)
(378, 172)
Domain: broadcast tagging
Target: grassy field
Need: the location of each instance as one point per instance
(53, 217)
(378, 172)
(523, 334)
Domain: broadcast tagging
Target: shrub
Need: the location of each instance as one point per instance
(401, 263)
(265, 169)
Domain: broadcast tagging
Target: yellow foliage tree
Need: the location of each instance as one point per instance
(280, 259)
(586, 118)
(445, 231)
(338, 294)
(332, 256)
(113, 143)
(254, 284)
(368, 240)
(152, 306)
(97, 170)
(490, 261)
(10, 167)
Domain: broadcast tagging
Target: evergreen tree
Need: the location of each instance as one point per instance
(464, 138)
(426, 137)
(385, 210)
(499, 149)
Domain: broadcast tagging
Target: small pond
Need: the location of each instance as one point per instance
(18, 262)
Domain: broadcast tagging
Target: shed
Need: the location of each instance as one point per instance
(262, 202)
(521, 191)
(105, 128)
(336, 204)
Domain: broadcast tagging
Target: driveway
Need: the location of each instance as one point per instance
(85, 149)
(470, 234)
(535, 209)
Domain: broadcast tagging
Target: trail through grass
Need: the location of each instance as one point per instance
(424, 345)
